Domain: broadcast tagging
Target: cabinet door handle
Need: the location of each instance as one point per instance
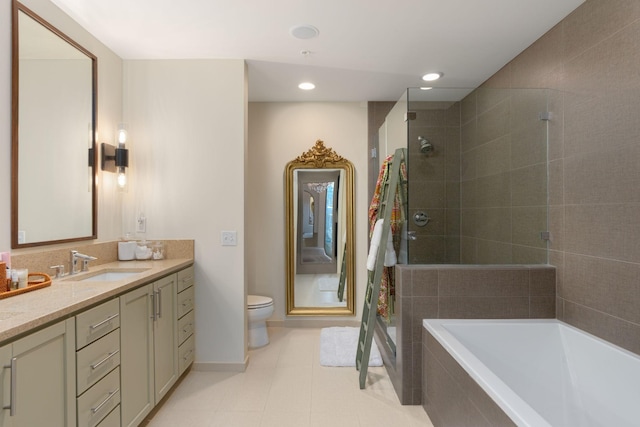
(109, 356)
(159, 291)
(107, 320)
(153, 306)
(104, 402)
(12, 394)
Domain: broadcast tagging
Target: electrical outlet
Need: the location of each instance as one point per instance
(22, 236)
(229, 238)
(141, 224)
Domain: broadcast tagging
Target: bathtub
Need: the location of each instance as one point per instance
(539, 372)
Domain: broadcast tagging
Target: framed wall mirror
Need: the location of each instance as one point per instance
(53, 195)
(320, 255)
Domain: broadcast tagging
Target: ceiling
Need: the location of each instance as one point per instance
(366, 50)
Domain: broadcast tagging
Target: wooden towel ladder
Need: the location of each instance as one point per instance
(370, 308)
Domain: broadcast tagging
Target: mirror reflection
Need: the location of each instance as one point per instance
(319, 194)
(318, 228)
(53, 128)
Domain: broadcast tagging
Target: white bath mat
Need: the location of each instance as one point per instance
(338, 347)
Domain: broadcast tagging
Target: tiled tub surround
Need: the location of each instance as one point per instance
(66, 296)
(525, 372)
(593, 158)
(458, 292)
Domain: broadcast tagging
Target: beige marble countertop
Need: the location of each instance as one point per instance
(68, 295)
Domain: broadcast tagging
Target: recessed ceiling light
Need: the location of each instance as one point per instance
(304, 31)
(426, 88)
(430, 77)
(307, 86)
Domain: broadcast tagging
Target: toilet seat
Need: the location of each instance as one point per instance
(255, 302)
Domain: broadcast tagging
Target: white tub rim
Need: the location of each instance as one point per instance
(509, 401)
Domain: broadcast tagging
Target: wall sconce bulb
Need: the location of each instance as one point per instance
(122, 134)
(122, 180)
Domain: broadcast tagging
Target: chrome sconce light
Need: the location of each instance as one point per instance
(116, 159)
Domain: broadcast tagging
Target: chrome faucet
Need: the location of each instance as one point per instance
(75, 256)
(59, 270)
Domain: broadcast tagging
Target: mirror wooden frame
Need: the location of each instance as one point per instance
(18, 8)
(319, 157)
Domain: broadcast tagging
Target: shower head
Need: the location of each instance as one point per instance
(425, 145)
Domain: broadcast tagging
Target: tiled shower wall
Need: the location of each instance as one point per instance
(504, 176)
(590, 63)
(434, 185)
(591, 60)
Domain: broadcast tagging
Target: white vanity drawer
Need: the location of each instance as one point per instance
(186, 278)
(185, 301)
(97, 322)
(186, 326)
(111, 420)
(186, 354)
(97, 402)
(96, 360)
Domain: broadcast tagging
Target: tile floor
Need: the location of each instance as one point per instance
(284, 385)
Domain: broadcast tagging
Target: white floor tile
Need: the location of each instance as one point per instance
(284, 385)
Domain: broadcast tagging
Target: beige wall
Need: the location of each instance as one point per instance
(592, 59)
(187, 129)
(278, 133)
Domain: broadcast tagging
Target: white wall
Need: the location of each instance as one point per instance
(187, 135)
(109, 114)
(395, 131)
(278, 133)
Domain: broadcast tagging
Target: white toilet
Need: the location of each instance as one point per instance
(260, 309)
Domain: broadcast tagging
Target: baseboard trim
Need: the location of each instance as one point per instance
(311, 323)
(221, 367)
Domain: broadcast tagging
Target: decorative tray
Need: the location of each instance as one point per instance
(34, 282)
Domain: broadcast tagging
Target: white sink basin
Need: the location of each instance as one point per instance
(110, 275)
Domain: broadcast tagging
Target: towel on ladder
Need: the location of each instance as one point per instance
(387, 285)
(390, 258)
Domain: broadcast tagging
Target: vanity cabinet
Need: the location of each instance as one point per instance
(186, 319)
(165, 336)
(98, 363)
(106, 366)
(38, 383)
(149, 347)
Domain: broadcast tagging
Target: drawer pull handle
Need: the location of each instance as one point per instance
(109, 356)
(107, 320)
(104, 402)
(187, 355)
(187, 279)
(187, 303)
(188, 327)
